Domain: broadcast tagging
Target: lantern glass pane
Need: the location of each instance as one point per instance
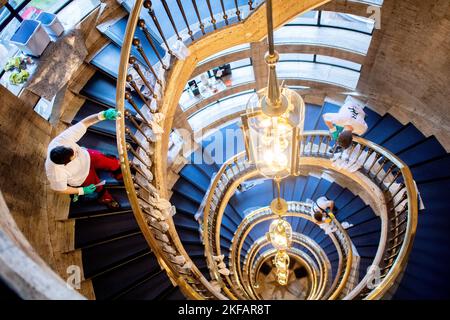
(271, 138)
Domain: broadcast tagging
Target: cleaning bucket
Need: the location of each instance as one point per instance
(31, 38)
(51, 23)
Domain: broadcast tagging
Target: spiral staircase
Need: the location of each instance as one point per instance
(115, 250)
(146, 251)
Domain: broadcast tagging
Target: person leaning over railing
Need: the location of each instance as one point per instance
(348, 121)
(72, 169)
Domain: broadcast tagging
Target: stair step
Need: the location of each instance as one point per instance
(370, 226)
(116, 281)
(424, 151)
(334, 191)
(86, 208)
(195, 176)
(366, 239)
(109, 127)
(353, 206)
(102, 89)
(97, 229)
(101, 142)
(435, 169)
(252, 197)
(287, 188)
(359, 217)
(184, 204)
(194, 249)
(308, 191)
(116, 33)
(312, 115)
(184, 220)
(230, 218)
(230, 138)
(322, 189)
(383, 130)
(189, 235)
(149, 289)
(368, 251)
(103, 257)
(308, 227)
(108, 59)
(404, 139)
(187, 189)
(372, 118)
(310, 188)
(187, 227)
(344, 198)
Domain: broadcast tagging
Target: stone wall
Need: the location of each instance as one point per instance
(24, 137)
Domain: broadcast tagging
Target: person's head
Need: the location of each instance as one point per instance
(318, 216)
(345, 139)
(61, 155)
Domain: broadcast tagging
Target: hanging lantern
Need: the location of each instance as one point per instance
(273, 122)
(272, 132)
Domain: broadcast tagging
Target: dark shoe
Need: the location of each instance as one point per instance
(107, 199)
(110, 203)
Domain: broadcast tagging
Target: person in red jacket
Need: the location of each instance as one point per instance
(73, 170)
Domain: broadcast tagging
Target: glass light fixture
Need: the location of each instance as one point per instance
(280, 234)
(273, 122)
(272, 127)
(281, 262)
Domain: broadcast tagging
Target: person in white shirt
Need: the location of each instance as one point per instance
(72, 169)
(323, 210)
(348, 121)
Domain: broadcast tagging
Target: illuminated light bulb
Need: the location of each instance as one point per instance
(283, 143)
(267, 138)
(281, 262)
(275, 160)
(282, 279)
(265, 123)
(280, 234)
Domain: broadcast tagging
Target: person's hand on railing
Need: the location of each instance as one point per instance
(110, 114)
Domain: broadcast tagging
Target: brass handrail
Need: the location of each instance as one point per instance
(191, 281)
(393, 264)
